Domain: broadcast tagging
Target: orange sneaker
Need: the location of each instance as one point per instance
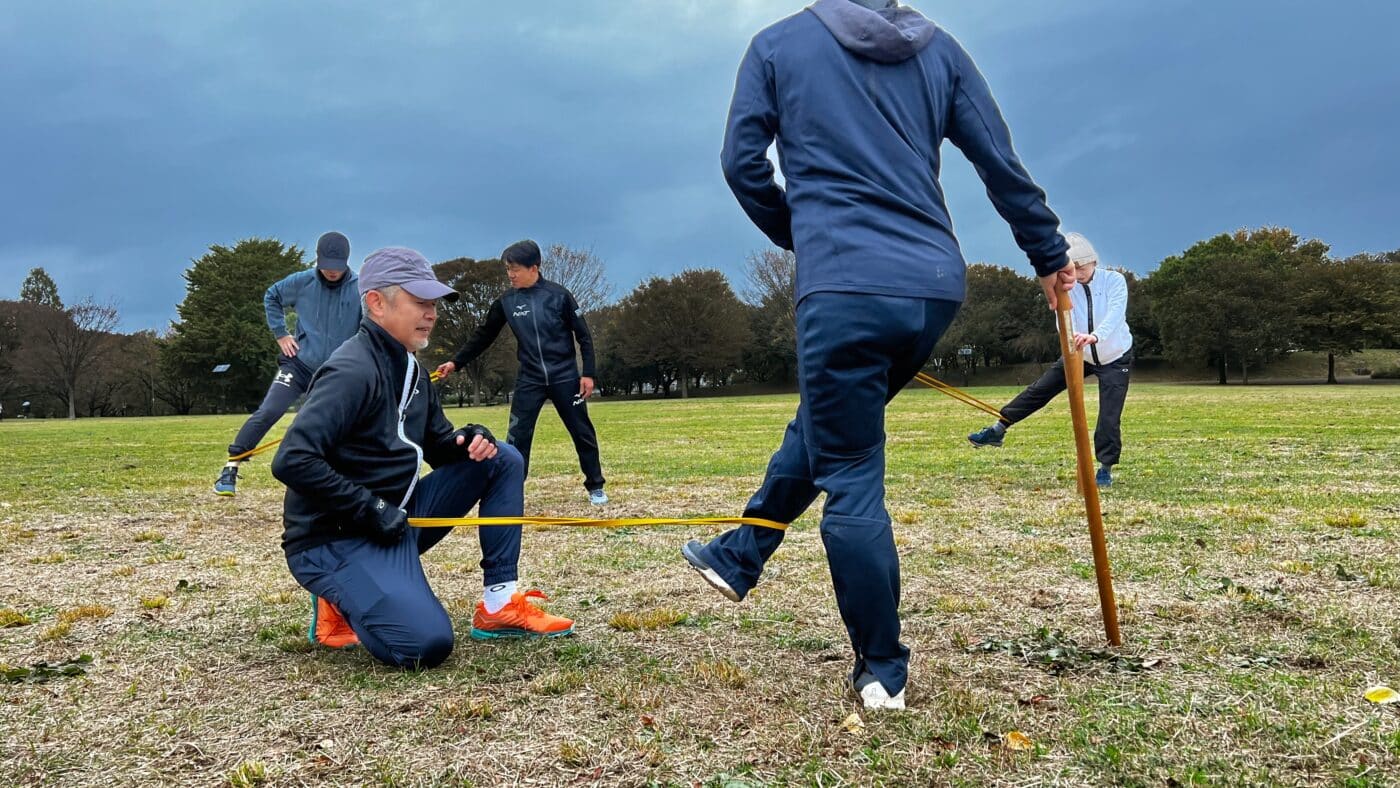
(519, 619)
(329, 627)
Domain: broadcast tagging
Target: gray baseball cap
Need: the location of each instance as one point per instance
(396, 265)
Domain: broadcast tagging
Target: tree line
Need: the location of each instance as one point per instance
(1233, 302)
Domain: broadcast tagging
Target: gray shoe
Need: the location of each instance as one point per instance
(691, 551)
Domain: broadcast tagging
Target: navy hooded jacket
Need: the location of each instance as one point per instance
(860, 102)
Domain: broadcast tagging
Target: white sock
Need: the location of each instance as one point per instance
(497, 596)
(233, 463)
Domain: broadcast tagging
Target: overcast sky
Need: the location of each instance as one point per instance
(134, 135)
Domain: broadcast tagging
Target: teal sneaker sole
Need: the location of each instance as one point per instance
(508, 634)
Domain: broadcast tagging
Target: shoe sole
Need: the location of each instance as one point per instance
(891, 705)
(711, 576)
(977, 445)
(507, 634)
(223, 493)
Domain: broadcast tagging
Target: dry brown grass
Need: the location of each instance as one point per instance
(1258, 681)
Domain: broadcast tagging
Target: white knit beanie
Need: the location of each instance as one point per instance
(1080, 250)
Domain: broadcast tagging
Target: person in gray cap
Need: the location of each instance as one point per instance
(351, 461)
(328, 313)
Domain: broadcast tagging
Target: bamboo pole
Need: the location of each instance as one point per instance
(1084, 460)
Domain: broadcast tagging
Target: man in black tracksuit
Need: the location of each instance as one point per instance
(547, 321)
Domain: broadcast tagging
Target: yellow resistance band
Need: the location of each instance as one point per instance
(956, 393)
(433, 377)
(613, 522)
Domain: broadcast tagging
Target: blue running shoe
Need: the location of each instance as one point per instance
(227, 484)
(989, 436)
(1103, 478)
(597, 497)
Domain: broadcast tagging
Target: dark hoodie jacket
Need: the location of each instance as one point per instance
(370, 420)
(860, 102)
(328, 313)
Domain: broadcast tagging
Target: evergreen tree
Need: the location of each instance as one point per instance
(222, 321)
(39, 288)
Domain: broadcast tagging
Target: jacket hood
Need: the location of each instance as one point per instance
(888, 35)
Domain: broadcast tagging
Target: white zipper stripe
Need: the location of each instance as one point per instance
(408, 390)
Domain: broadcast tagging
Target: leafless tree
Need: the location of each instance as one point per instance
(582, 272)
(71, 341)
(772, 279)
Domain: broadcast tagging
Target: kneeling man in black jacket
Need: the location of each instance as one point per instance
(351, 461)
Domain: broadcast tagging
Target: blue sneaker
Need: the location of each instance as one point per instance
(1103, 478)
(227, 484)
(597, 497)
(989, 436)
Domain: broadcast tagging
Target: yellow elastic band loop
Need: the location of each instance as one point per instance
(254, 452)
(583, 522)
(956, 393)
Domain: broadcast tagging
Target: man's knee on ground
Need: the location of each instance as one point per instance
(423, 648)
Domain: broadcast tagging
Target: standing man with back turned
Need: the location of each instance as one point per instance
(860, 95)
(546, 321)
(327, 302)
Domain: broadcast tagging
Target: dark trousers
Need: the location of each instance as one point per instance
(573, 411)
(292, 380)
(1113, 391)
(855, 352)
(382, 591)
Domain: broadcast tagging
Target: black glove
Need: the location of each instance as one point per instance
(471, 431)
(384, 522)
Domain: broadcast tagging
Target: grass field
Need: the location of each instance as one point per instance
(1253, 533)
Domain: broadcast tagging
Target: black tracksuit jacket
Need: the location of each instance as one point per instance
(546, 320)
(370, 419)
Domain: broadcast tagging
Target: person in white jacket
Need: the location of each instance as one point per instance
(1100, 324)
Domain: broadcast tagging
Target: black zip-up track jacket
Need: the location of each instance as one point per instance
(546, 320)
(370, 419)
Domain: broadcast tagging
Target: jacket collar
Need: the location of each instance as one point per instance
(387, 348)
(539, 284)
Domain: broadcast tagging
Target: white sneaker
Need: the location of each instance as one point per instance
(597, 497)
(875, 697)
